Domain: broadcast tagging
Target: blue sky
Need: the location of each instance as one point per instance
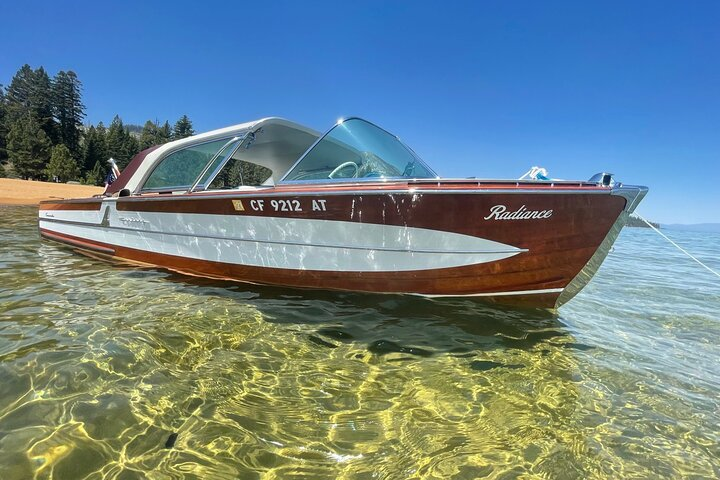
(483, 89)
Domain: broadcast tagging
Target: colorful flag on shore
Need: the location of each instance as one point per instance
(113, 174)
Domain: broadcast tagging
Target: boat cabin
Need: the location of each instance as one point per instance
(270, 151)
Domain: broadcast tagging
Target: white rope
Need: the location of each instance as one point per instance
(675, 244)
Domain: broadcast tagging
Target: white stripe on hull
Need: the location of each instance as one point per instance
(300, 244)
(499, 294)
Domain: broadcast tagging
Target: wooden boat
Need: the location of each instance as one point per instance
(273, 202)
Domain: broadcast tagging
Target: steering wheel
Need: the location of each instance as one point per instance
(342, 166)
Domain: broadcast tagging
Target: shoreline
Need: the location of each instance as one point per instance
(29, 192)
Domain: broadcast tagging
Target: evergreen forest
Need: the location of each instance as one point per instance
(43, 134)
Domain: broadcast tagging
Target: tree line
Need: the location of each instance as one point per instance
(43, 137)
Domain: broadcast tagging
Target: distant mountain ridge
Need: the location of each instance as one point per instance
(694, 227)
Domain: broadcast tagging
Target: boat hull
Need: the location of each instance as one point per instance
(512, 246)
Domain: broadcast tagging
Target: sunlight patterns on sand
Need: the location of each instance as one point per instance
(114, 372)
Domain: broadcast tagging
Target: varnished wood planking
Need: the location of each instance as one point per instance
(89, 204)
(558, 246)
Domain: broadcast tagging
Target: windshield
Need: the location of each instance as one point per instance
(356, 148)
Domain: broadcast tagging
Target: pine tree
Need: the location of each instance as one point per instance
(94, 147)
(164, 133)
(102, 133)
(131, 148)
(41, 100)
(28, 147)
(68, 109)
(116, 135)
(41, 103)
(3, 130)
(153, 134)
(18, 93)
(149, 135)
(183, 128)
(121, 144)
(95, 176)
(30, 91)
(62, 165)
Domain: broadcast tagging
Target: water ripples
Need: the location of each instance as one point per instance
(114, 372)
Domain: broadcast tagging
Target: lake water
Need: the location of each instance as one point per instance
(109, 371)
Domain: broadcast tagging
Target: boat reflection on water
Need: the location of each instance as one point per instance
(389, 323)
(243, 378)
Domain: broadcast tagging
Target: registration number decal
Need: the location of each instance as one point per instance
(283, 205)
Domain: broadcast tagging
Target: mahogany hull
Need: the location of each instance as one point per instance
(435, 240)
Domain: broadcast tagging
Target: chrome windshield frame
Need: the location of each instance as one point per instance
(331, 180)
(215, 172)
(146, 176)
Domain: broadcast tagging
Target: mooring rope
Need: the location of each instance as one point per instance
(676, 245)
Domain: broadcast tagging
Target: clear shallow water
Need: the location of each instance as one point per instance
(115, 372)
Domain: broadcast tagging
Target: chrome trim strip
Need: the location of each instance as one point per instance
(516, 181)
(262, 193)
(343, 181)
(439, 181)
(591, 267)
(273, 242)
(633, 195)
(173, 188)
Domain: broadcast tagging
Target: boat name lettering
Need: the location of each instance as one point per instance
(500, 212)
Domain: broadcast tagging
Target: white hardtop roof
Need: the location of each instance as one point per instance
(281, 143)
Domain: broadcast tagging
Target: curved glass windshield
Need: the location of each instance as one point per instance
(358, 149)
(180, 169)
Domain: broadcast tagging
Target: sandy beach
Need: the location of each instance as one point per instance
(27, 192)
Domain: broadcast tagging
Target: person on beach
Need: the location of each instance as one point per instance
(112, 174)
